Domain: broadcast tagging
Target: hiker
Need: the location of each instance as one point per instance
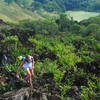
(28, 65)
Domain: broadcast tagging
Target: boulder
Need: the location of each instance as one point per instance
(27, 94)
(6, 57)
(44, 88)
(2, 36)
(2, 22)
(74, 93)
(92, 67)
(45, 53)
(80, 80)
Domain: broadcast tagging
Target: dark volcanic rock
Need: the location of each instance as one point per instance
(53, 98)
(49, 76)
(27, 94)
(2, 36)
(2, 22)
(67, 74)
(80, 81)
(15, 82)
(6, 57)
(22, 94)
(23, 36)
(74, 93)
(10, 78)
(92, 67)
(46, 83)
(46, 53)
(41, 90)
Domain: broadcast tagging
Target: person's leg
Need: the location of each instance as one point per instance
(32, 71)
(29, 78)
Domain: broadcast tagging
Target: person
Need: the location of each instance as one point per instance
(28, 65)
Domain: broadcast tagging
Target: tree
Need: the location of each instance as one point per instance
(27, 3)
(76, 28)
(22, 3)
(9, 1)
(64, 23)
(63, 5)
(92, 29)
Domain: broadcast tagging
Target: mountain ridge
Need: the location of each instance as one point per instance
(14, 13)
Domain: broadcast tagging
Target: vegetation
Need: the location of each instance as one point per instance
(63, 5)
(58, 5)
(59, 45)
(81, 15)
(22, 3)
(14, 13)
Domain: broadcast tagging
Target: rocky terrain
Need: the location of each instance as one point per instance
(74, 82)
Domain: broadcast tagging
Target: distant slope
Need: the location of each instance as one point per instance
(14, 13)
(81, 15)
(63, 5)
(77, 15)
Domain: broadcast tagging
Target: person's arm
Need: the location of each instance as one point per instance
(33, 62)
(17, 74)
(20, 65)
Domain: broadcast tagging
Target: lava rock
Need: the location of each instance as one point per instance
(80, 81)
(22, 94)
(46, 53)
(2, 36)
(6, 57)
(48, 76)
(92, 67)
(2, 22)
(27, 94)
(74, 93)
(53, 98)
(67, 74)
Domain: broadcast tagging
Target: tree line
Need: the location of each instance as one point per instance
(59, 5)
(63, 5)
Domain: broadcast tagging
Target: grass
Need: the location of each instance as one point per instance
(77, 15)
(81, 15)
(14, 13)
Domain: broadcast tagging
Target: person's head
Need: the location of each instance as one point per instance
(28, 57)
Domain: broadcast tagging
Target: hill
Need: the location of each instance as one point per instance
(66, 54)
(63, 5)
(14, 12)
(81, 15)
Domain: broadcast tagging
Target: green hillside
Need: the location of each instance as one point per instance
(66, 54)
(13, 12)
(81, 15)
(63, 5)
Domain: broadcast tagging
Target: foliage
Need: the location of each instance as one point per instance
(59, 5)
(46, 26)
(14, 13)
(23, 3)
(65, 53)
(9, 1)
(64, 23)
(58, 46)
(63, 5)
